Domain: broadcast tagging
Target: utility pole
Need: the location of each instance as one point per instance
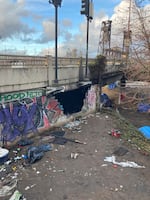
(87, 10)
(127, 35)
(56, 3)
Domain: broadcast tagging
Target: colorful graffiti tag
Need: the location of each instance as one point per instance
(13, 96)
(18, 118)
(90, 100)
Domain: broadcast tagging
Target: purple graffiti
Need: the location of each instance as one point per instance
(9, 131)
(18, 122)
(20, 118)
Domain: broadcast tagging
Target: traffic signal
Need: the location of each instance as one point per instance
(56, 2)
(84, 7)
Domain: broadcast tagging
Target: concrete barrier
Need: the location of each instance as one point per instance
(29, 113)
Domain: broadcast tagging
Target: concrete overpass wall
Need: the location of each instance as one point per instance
(70, 70)
(16, 79)
(30, 72)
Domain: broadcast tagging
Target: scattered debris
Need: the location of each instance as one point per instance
(104, 165)
(29, 187)
(74, 155)
(36, 153)
(112, 159)
(73, 124)
(60, 140)
(115, 133)
(105, 100)
(3, 155)
(6, 190)
(16, 196)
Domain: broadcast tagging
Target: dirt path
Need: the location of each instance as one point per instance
(57, 176)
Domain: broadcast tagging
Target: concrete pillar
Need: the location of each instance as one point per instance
(50, 70)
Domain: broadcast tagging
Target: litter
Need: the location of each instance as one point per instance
(60, 140)
(74, 155)
(3, 155)
(106, 102)
(36, 153)
(73, 124)
(112, 159)
(16, 196)
(63, 140)
(115, 133)
(7, 189)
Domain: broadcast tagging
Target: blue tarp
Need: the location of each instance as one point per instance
(105, 100)
(145, 130)
(112, 86)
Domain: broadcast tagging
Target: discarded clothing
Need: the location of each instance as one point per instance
(143, 107)
(105, 100)
(60, 140)
(145, 130)
(112, 159)
(36, 153)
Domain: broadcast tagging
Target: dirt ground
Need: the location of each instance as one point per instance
(59, 176)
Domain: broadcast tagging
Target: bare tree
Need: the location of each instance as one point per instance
(139, 68)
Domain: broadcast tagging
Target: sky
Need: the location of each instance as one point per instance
(28, 26)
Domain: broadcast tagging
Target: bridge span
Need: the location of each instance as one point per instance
(20, 72)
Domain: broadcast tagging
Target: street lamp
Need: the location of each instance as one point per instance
(56, 3)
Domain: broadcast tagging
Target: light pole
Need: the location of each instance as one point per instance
(56, 3)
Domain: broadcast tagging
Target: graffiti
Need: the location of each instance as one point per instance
(20, 95)
(90, 100)
(21, 117)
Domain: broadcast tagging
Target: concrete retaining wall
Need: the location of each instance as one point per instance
(31, 112)
(28, 72)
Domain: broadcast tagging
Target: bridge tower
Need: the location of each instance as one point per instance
(105, 37)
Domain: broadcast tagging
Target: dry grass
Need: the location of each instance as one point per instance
(131, 134)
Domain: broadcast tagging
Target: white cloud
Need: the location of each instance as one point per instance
(35, 24)
(11, 23)
(122, 20)
(78, 40)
